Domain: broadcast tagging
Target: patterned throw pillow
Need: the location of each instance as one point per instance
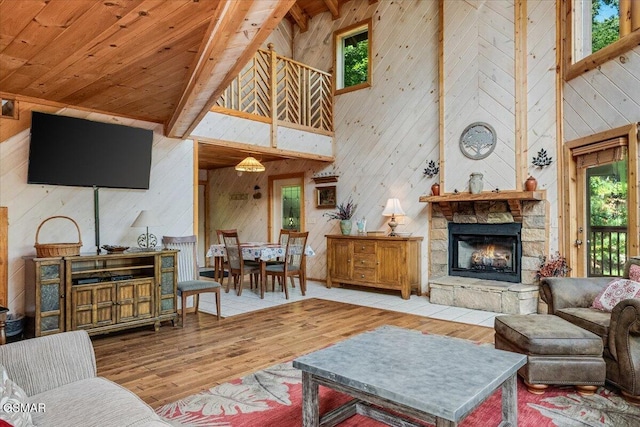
(616, 291)
(10, 394)
(634, 272)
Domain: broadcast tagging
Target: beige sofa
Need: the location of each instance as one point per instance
(59, 371)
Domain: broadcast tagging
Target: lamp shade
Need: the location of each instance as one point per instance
(393, 208)
(146, 219)
(250, 164)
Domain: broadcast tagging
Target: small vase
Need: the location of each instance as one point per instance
(345, 226)
(475, 183)
(531, 184)
(435, 189)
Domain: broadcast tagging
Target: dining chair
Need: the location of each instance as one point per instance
(238, 267)
(293, 263)
(282, 240)
(224, 264)
(189, 281)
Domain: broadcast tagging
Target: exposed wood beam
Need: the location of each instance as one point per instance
(256, 149)
(236, 32)
(333, 7)
(300, 17)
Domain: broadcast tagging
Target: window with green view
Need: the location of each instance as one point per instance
(353, 57)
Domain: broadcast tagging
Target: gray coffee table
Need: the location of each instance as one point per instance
(431, 378)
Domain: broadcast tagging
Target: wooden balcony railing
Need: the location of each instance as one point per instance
(607, 250)
(302, 96)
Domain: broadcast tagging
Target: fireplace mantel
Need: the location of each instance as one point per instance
(513, 198)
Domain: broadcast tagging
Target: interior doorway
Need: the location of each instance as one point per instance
(286, 204)
(203, 222)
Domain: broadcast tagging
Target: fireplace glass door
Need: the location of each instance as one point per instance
(485, 251)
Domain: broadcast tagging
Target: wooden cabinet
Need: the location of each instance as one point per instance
(103, 292)
(44, 296)
(379, 262)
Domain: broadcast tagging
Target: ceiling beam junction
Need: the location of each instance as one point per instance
(301, 18)
(333, 7)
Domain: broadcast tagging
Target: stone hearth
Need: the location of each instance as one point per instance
(489, 295)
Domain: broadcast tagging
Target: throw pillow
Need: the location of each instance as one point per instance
(12, 394)
(634, 272)
(616, 291)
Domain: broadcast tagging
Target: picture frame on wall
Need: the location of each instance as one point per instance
(326, 197)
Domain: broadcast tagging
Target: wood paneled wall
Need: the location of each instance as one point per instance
(541, 106)
(170, 196)
(603, 99)
(4, 255)
(479, 86)
(386, 134)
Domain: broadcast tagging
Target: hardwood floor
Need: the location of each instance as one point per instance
(173, 363)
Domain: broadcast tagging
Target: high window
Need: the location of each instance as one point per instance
(597, 25)
(599, 30)
(352, 57)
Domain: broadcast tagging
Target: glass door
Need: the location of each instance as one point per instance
(286, 205)
(603, 221)
(607, 224)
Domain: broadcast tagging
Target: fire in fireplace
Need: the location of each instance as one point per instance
(486, 251)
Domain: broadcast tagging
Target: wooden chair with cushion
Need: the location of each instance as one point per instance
(293, 263)
(189, 281)
(282, 240)
(238, 268)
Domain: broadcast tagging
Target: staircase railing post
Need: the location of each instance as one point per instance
(273, 86)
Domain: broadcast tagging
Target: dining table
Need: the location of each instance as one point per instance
(259, 251)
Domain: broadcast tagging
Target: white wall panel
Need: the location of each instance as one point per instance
(604, 98)
(234, 129)
(304, 142)
(479, 82)
(170, 196)
(541, 103)
(384, 134)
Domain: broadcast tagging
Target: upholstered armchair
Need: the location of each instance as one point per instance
(571, 299)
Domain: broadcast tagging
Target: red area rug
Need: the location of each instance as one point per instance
(272, 397)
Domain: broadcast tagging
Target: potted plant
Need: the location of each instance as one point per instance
(553, 266)
(344, 212)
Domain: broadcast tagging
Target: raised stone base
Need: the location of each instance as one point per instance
(488, 295)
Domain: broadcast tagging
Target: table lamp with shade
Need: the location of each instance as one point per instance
(392, 209)
(146, 219)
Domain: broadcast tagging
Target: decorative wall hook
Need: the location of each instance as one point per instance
(432, 169)
(542, 159)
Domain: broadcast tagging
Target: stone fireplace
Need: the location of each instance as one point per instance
(468, 271)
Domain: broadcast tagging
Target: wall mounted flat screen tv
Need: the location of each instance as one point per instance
(83, 153)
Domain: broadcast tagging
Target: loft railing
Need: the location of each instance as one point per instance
(301, 96)
(607, 250)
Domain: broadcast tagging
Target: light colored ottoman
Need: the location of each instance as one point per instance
(558, 352)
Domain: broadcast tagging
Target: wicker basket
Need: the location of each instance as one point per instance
(44, 250)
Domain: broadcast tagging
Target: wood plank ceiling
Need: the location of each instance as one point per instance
(153, 60)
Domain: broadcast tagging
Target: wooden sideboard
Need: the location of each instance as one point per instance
(100, 293)
(375, 261)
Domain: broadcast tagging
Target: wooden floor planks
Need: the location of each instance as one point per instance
(173, 363)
